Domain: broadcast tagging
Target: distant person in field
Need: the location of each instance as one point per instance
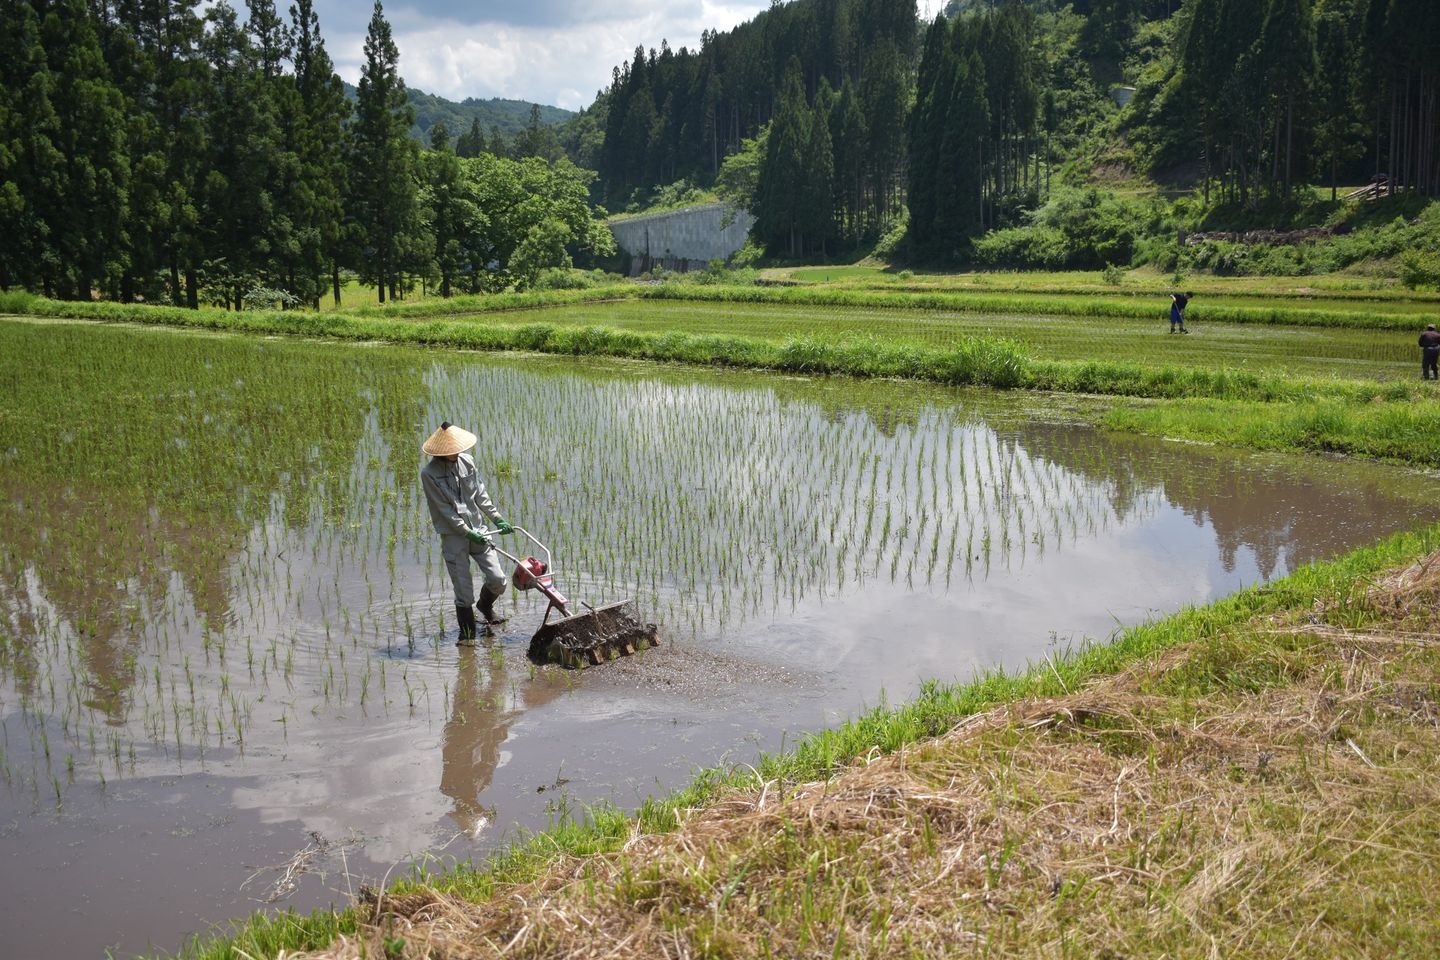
(1178, 303)
(459, 509)
(1430, 353)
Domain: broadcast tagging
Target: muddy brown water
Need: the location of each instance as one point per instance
(228, 678)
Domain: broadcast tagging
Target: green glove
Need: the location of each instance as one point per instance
(475, 536)
(503, 525)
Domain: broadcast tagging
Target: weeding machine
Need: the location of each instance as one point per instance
(575, 639)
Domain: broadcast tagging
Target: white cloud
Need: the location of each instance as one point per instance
(560, 63)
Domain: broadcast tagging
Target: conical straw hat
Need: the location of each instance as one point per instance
(448, 440)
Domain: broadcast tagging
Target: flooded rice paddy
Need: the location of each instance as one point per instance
(226, 637)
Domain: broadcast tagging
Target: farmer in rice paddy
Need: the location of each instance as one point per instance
(459, 505)
(1178, 303)
(1430, 353)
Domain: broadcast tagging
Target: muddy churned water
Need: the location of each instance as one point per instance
(228, 672)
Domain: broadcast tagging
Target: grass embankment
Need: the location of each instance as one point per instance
(1259, 773)
(1077, 305)
(860, 345)
(1402, 432)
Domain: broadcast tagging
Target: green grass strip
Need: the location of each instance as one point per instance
(886, 729)
(1154, 291)
(1089, 305)
(1407, 432)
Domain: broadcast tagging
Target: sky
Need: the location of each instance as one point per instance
(557, 52)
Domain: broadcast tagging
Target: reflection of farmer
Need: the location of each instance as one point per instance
(1178, 303)
(479, 723)
(458, 505)
(473, 734)
(1430, 353)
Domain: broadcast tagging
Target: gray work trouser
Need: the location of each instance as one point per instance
(458, 553)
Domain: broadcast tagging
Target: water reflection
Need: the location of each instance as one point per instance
(481, 713)
(1286, 516)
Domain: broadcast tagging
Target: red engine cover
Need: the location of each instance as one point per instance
(526, 573)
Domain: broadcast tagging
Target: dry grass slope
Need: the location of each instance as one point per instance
(1270, 792)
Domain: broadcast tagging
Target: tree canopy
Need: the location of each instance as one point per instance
(149, 150)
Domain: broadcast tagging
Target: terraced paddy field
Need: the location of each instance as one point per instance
(1259, 348)
(228, 676)
(1321, 290)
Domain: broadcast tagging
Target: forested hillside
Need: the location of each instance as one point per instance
(677, 114)
(492, 118)
(830, 118)
(161, 151)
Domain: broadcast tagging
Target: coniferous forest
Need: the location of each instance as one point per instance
(830, 81)
(153, 151)
(831, 118)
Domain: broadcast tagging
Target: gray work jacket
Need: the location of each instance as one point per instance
(456, 496)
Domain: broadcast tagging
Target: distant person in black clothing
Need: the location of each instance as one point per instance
(1430, 356)
(1178, 303)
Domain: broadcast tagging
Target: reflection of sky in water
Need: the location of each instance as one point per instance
(808, 549)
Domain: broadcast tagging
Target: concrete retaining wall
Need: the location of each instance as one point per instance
(685, 239)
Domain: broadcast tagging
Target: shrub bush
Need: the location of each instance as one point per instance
(1418, 270)
(1077, 229)
(892, 243)
(1099, 228)
(1035, 248)
(566, 278)
(269, 298)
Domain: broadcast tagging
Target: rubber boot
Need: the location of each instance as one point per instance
(486, 606)
(466, 618)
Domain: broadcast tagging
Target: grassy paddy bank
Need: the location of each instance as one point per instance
(1259, 773)
(1286, 313)
(1402, 432)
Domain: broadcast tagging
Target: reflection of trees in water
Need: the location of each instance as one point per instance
(1283, 513)
(481, 712)
(134, 489)
(80, 582)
